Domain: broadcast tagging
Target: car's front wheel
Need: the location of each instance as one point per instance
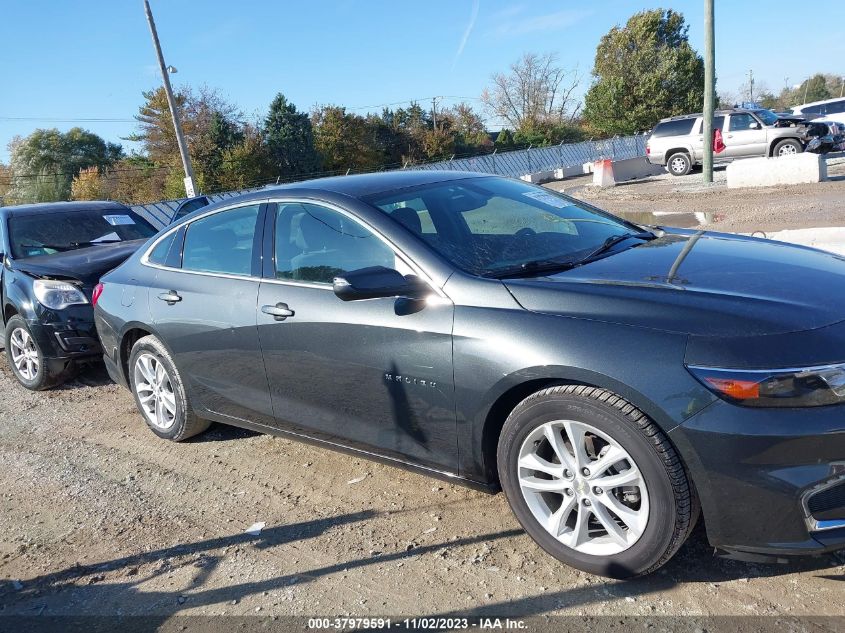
(594, 481)
(788, 147)
(160, 393)
(27, 359)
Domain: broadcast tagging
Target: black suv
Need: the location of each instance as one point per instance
(614, 379)
(53, 255)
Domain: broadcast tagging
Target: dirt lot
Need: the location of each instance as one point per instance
(97, 516)
(718, 208)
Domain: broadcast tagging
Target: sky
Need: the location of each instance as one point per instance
(65, 61)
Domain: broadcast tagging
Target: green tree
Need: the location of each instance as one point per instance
(643, 72)
(814, 89)
(45, 162)
(246, 164)
(504, 139)
(289, 139)
(343, 140)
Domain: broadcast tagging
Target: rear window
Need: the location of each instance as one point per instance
(681, 127)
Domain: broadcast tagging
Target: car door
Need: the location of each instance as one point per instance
(745, 136)
(203, 307)
(375, 374)
(698, 135)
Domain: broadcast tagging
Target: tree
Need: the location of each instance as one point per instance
(504, 139)
(210, 124)
(89, 184)
(643, 72)
(246, 164)
(289, 139)
(343, 140)
(814, 89)
(536, 91)
(45, 162)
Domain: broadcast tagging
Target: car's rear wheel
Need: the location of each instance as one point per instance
(679, 164)
(160, 393)
(788, 147)
(594, 481)
(26, 357)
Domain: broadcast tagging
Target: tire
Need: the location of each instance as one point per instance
(787, 147)
(658, 502)
(679, 164)
(160, 392)
(27, 360)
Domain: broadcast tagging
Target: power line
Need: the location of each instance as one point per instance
(66, 119)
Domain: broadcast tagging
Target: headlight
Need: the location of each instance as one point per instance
(803, 387)
(57, 295)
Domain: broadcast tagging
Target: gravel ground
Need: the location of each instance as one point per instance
(98, 516)
(688, 202)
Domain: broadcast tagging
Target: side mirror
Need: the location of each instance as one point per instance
(754, 126)
(376, 282)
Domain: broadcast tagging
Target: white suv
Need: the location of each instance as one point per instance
(678, 142)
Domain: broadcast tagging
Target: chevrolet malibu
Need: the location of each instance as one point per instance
(616, 381)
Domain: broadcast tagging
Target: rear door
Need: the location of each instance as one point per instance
(373, 374)
(203, 306)
(698, 148)
(745, 136)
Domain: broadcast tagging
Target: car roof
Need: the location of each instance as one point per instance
(715, 113)
(813, 103)
(357, 186)
(40, 208)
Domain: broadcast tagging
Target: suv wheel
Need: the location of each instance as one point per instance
(26, 358)
(160, 393)
(679, 164)
(788, 147)
(595, 482)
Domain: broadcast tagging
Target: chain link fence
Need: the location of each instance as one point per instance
(514, 163)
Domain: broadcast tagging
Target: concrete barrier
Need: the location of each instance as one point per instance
(633, 168)
(768, 172)
(539, 177)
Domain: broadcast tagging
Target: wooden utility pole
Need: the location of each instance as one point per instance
(709, 89)
(171, 102)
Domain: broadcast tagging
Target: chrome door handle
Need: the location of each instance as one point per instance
(171, 297)
(280, 311)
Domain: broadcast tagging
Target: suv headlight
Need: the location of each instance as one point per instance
(804, 387)
(57, 295)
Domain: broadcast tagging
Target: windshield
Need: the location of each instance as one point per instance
(767, 116)
(487, 226)
(50, 233)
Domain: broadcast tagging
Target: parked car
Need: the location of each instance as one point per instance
(832, 110)
(189, 206)
(677, 142)
(613, 379)
(53, 255)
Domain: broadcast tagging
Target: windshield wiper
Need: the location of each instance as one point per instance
(529, 269)
(612, 241)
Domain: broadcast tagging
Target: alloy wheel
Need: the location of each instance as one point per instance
(154, 389)
(787, 150)
(583, 487)
(24, 354)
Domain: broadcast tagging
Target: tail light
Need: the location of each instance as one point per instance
(95, 296)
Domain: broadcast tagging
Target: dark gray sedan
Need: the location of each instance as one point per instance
(615, 380)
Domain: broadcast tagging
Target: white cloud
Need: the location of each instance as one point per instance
(467, 32)
(535, 23)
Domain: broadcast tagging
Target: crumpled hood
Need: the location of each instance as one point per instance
(706, 284)
(84, 264)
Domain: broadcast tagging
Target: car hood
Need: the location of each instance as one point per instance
(701, 283)
(85, 264)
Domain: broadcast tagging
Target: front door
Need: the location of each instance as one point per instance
(745, 136)
(204, 307)
(373, 374)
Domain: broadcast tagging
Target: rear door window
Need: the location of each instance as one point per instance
(681, 127)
